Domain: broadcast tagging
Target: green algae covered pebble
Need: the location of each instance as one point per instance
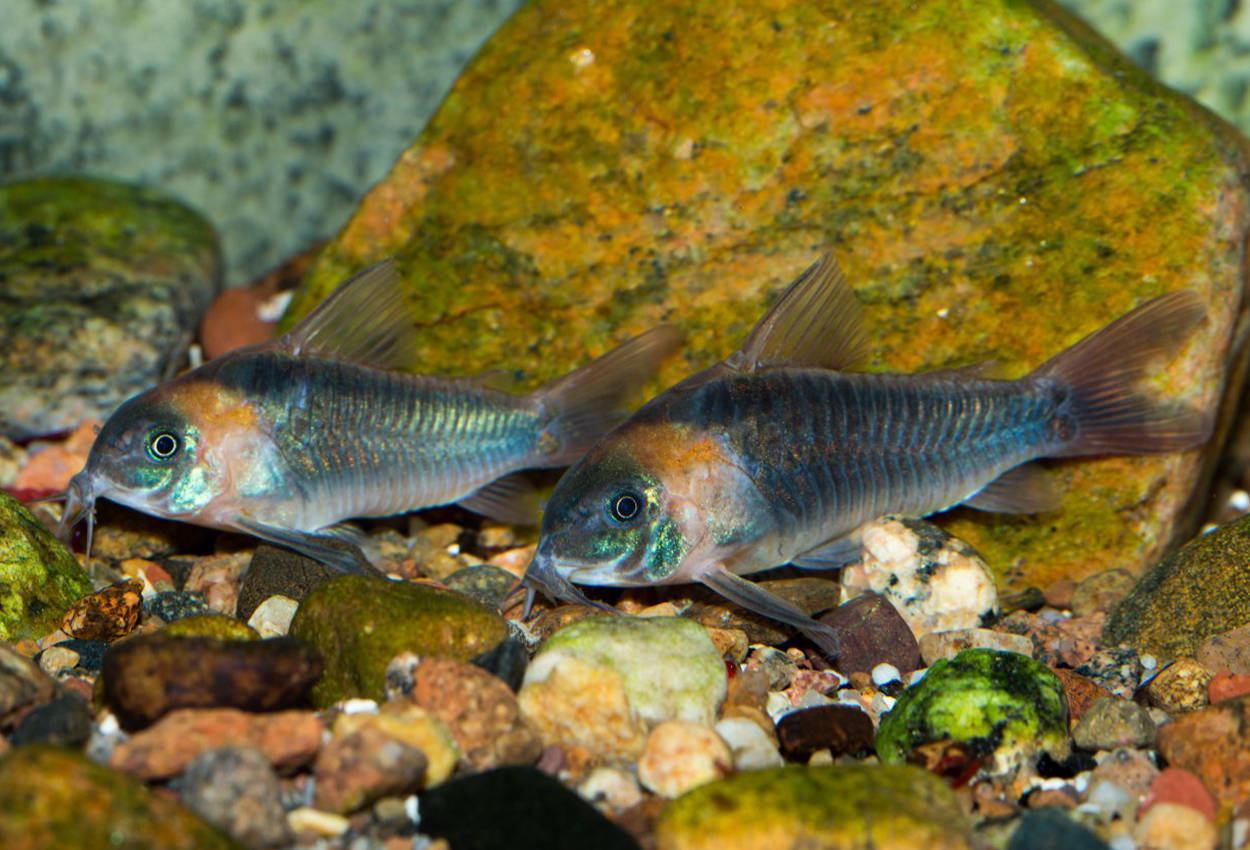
(851, 807)
(211, 625)
(52, 797)
(39, 577)
(359, 624)
(1000, 703)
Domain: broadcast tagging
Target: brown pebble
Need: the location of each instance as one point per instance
(1227, 685)
(1058, 594)
(363, 766)
(1214, 745)
(107, 614)
(1081, 691)
(841, 729)
(872, 632)
(1180, 687)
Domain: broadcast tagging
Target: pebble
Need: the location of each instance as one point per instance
(358, 767)
(840, 729)
(289, 739)
(508, 661)
(1129, 769)
(150, 675)
(1117, 669)
(937, 582)
(478, 709)
(1226, 651)
(680, 755)
(272, 618)
(211, 625)
(871, 631)
(1101, 592)
(937, 645)
(23, 686)
(1214, 744)
(1225, 685)
(995, 702)
(1180, 687)
(309, 821)
(752, 746)
(1081, 691)
(414, 726)
(235, 789)
(68, 656)
(217, 578)
(359, 624)
(517, 806)
(64, 722)
(39, 578)
(1174, 785)
(603, 683)
(611, 788)
(275, 571)
(1111, 722)
(1172, 826)
(488, 584)
(1052, 829)
(107, 614)
(172, 605)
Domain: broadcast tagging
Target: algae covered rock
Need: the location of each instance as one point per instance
(851, 807)
(603, 683)
(1198, 592)
(102, 286)
(359, 624)
(212, 626)
(1003, 705)
(51, 797)
(39, 577)
(997, 182)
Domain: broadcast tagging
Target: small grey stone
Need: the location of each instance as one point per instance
(171, 605)
(235, 789)
(1111, 723)
(64, 722)
(1118, 670)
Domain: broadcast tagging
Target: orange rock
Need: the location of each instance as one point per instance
(1226, 685)
(1174, 785)
(1081, 691)
(1214, 745)
(52, 467)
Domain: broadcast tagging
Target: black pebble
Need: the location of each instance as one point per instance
(171, 605)
(508, 661)
(1050, 828)
(64, 722)
(512, 807)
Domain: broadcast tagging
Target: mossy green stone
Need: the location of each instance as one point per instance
(1199, 591)
(39, 577)
(1002, 704)
(669, 667)
(359, 624)
(996, 180)
(52, 797)
(212, 625)
(852, 807)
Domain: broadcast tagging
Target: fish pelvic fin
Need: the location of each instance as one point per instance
(816, 322)
(586, 403)
(751, 596)
(1104, 411)
(366, 320)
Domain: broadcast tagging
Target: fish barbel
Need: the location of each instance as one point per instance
(286, 439)
(776, 455)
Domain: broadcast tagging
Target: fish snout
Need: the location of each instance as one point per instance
(545, 576)
(80, 499)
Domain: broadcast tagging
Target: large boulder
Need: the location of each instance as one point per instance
(996, 179)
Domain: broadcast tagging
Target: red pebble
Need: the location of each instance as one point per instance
(1227, 685)
(1174, 785)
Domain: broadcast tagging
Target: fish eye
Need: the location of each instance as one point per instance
(163, 445)
(625, 506)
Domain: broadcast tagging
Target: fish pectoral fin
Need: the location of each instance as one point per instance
(751, 596)
(367, 320)
(335, 552)
(816, 322)
(1026, 489)
(509, 499)
(833, 554)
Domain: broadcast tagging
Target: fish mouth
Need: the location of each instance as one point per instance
(80, 499)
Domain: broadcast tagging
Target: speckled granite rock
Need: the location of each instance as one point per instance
(39, 578)
(854, 807)
(273, 116)
(52, 797)
(1196, 593)
(988, 172)
(101, 286)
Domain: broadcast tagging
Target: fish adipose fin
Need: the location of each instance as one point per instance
(585, 404)
(509, 499)
(1100, 372)
(367, 320)
(816, 322)
(1026, 489)
(751, 596)
(331, 550)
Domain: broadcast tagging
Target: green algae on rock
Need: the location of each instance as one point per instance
(211, 626)
(851, 807)
(997, 181)
(102, 286)
(1198, 592)
(359, 624)
(39, 577)
(52, 797)
(1003, 705)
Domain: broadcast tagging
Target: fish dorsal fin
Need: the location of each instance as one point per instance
(816, 322)
(366, 320)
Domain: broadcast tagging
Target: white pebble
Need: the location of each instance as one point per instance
(272, 618)
(359, 706)
(1241, 832)
(916, 675)
(1122, 842)
(1239, 500)
(1149, 662)
(412, 808)
(883, 674)
(326, 824)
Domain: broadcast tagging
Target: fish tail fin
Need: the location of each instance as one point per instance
(585, 404)
(1104, 411)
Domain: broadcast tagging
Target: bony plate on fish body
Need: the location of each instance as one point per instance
(287, 439)
(778, 454)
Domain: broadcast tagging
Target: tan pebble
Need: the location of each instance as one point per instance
(680, 755)
(58, 658)
(610, 788)
(1171, 826)
(312, 821)
(272, 618)
(442, 535)
(1101, 591)
(732, 644)
(414, 726)
(752, 747)
(1180, 687)
(939, 645)
(581, 704)
(515, 561)
(663, 609)
(497, 537)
